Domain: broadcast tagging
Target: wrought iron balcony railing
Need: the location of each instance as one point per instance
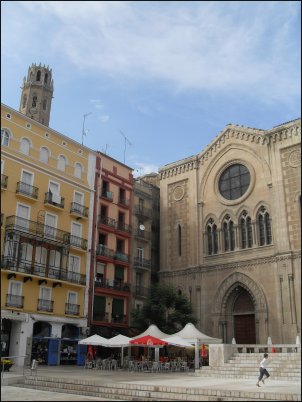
(72, 309)
(141, 263)
(107, 194)
(78, 242)
(79, 209)
(45, 305)
(124, 227)
(124, 201)
(43, 270)
(14, 300)
(113, 284)
(121, 319)
(105, 251)
(27, 189)
(105, 220)
(54, 199)
(97, 316)
(143, 211)
(4, 181)
(37, 230)
(121, 256)
(141, 291)
(143, 234)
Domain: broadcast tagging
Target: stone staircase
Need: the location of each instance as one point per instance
(141, 392)
(281, 366)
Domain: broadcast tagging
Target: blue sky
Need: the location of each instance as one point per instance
(169, 75)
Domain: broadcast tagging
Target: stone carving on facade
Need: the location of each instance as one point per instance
(228, 286)
(294, 159)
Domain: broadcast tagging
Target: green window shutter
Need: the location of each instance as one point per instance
(119, 273)
(99, 304)
(118, 307)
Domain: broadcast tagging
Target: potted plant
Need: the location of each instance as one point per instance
(6, 364)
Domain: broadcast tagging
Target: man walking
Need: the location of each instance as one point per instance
(263, 370)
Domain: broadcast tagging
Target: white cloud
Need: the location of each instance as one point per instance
(245, 47)
(143, 168)
(104, 118)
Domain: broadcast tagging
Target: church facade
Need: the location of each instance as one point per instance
(230, 233)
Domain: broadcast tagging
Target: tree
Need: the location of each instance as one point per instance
(166, 308)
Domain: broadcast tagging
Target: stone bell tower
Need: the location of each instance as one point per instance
(37, 93)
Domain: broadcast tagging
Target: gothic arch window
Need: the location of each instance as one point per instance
(78, 170)
(24, 100)
(45, 78)
(44, 155)
(228, 234)
(264, 227)
(62, 163)
(179, 240)
(5, 136)
(38, 75)
(212, 237)
(34, 101)
(246, 232)
(25, 146)
(44, 104)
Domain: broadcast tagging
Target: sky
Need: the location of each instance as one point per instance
(157, 80)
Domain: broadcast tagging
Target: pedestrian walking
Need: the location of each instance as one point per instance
(263, 370)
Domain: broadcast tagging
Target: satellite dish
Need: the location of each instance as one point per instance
(142, 227)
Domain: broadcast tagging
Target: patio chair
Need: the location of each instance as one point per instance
(155, 367)
(113, 364)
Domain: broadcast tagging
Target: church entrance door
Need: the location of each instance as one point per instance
(244, 317)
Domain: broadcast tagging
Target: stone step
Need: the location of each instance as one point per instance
(140, 392)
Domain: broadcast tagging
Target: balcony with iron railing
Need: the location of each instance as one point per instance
(108, 195)
(45, 305)
(72, 309)
(27, 190)
(78, 242)
(78, 210)
(104, 251)
(3, 182)
(141, 263)
(123, 227)
(37, 230)
(42, 270)
(120, 256)
(140, 291)
(109, 222)
(115, 284)
(143, 234)
(14, 300)
(98, 316)
(119, 319)
(142, 211)
(125, 202)
(54, 200)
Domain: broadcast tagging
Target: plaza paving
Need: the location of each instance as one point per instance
(177, 380)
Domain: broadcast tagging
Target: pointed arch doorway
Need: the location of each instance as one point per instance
(244, 317)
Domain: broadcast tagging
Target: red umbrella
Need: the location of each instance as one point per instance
(148, 340)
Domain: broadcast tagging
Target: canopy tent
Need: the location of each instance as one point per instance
(95, 340)
(178, 341)
(153, 330)
(119, 341)
(191, 334)
(148, 341)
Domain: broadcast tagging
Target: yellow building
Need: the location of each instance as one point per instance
(47, 183)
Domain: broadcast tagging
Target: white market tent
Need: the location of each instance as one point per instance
(178, 341)
(152, 330)
(191, 334)
(95, 340)
(119, 341)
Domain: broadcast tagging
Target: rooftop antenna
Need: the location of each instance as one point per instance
(126, 140)
(84, 132)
